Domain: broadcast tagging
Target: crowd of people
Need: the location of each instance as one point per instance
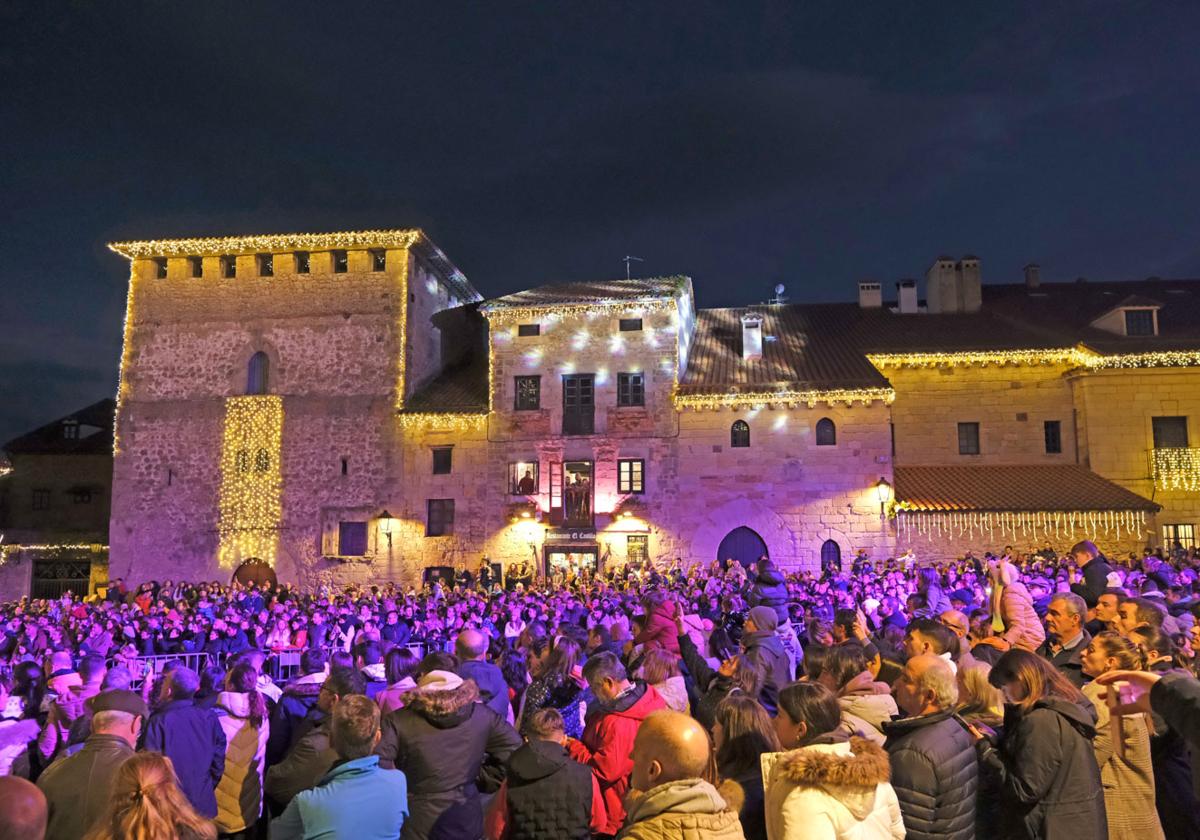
(1011, 695)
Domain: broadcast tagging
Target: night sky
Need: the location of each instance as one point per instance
(742, 144)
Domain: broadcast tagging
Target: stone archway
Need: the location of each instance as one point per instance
(254, 571)
(716, 524)
(743, 545)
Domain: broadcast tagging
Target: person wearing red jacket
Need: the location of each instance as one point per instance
(611, 728)
(659, 629)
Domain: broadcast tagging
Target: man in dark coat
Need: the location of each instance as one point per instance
(192, 738)
(471, 647)
(546, 795)
(298, 698)
(763, 648)
(78, 788)
(768, 589)
(934, 769)
(1095, 572)
(312, 754)
(440, 739)
(1066, 639)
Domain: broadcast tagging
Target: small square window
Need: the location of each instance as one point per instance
(528, 393)
(81, 496)
(196, 264)
(160, 267)
(303, 262)
(266, 265)
(631, 389)
(352, 539)
(41, 500)
(439, 521)
(1053, 437)
(379, 260)
(442, 460)
(529, 329)
(228, 266)
(523, 478)
(968, 438)
(631, 324)
(341, 262)
(1139, 322)
(70, 429)
(631, 475)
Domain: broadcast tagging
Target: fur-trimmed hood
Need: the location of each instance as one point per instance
(849, 771)
(444, 709)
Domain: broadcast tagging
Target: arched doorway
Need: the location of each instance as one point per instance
(831, 556)
(743, 545)
(254, 571)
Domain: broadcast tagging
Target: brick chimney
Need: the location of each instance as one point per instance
(906, 296)
(752, 338)
(1033, 276)
(870, 294)
(970, 284)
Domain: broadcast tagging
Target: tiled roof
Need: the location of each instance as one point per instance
(800, 352)
(49, 439)
(1013, 488)
(461, 389)
(599, 291)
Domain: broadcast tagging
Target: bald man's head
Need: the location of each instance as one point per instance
(669, 746)
(956, 621)
(24, 810)
(470, 644)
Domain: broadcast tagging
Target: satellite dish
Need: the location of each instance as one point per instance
(779, 289)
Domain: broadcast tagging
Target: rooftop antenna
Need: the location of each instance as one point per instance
(779, 298)
(628, 260)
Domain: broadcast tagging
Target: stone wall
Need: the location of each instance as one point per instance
(1010, 404)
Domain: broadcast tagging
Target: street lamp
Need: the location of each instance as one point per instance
(385, 525)
(884, 491)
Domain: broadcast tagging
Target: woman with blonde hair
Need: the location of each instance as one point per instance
(661, 670)
(147, 804)
(979, 702)
(1122, 745)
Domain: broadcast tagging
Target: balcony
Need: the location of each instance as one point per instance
(1176, 468)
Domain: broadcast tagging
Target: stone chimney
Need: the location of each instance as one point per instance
(970, 284)
(941, 286)
(906, 296)
(752, 337)
(870, 294)
(1033, 276)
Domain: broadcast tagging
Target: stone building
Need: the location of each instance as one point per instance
(54, 505)
(345, 407)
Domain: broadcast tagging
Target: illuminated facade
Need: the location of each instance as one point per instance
(345, 407)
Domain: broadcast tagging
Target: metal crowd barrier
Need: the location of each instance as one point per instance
(149, 667)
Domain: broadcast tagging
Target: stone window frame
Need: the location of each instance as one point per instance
(160, 267)
(525, 402)
(631, 476)
(442, 459)
(340, 259)
(631, 390)
(196, 266)
(971, 444)
(739, 435)
(826, 432)
(378, 259)
(637, 548)
(303, 262)
(1163, 427)
(1052, 434)
(228, 263)
(514, 478)
(439, 517)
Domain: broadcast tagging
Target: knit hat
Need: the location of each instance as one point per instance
(764, 619)
(439, 681)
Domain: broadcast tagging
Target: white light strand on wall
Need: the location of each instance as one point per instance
(1177, 469)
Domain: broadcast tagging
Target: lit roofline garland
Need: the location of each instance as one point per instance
(458, 421)
(123, 368)
(254, 243)
(1032, 525)
(788, 398)
(509, 314)
(1079, 356)
(43, 548)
